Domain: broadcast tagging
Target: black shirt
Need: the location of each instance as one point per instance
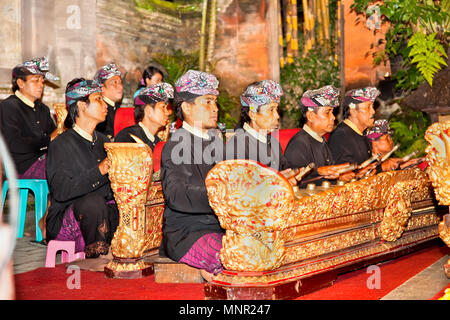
(347, 145)
(244, 145)
(303, 149)
(72, 172)
(107, 127)
(124, 136)
(187, 214)
(26, 130)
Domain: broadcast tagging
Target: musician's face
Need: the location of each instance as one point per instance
(322, 120)
(366, 113)
(113, 88)
(266, 118)
(32, 87)
(95, 109)
(202, 112)
(383, 144)
(158, 114)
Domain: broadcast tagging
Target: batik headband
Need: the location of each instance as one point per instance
(261, 93)
(80, 90)
(106, 72)
(154, 93)
(355, 96)
(38, 66)
(197, 83)
(380, 128)
(327, 96)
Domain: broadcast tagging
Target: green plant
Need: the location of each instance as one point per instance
(170, 7)
(409, 128)
(315, 70)
(228, 105)
(427, 53)
(178, 63)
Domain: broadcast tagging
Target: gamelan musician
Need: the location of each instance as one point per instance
(259, 117)
(191, 231)
(109, 77)
(150, 114)
(380, 137)
(309, 145)
(82, 203)
(347, 142)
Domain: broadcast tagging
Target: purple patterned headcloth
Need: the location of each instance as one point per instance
(327, 96)
(380, 128)
(261, 93)
(154, 93)
(37, 66)
(106, 72)
(363, 94)
(197, 83)
(80, 90)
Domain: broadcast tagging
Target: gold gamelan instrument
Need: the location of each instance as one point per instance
(61, 115)
(281, 242)
(130, 175)
(438, 157)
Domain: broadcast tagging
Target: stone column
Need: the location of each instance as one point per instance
(273, 45)
(10, 39)
(75, 34)
(64, 31)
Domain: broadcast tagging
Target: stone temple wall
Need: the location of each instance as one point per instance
(78, 36)
(130, 36)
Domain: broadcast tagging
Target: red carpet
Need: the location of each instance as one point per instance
(52, 283)
(353, 285)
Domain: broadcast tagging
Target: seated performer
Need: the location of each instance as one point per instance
(110, 79)
(380, 137)
(152, 75)
(309, 145)
(191, 231)
(82, 208)
(259, 117)
(25, 121)
(347, 142)
(150, 113)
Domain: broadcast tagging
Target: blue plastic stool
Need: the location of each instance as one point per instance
(40, 189)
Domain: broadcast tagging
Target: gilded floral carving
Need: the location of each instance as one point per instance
(267, 227)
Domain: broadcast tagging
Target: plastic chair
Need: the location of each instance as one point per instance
(40, 189)
(67, 249)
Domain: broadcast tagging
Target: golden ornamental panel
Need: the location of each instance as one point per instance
(323, 264)
(438, 158)
(247, 196)
(360, 196)
(252, 251)
(329, 244)
(61, 115)
(130, 175)
(257, 207)
(444, 233)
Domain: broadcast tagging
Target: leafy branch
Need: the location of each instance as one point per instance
(427, 53)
